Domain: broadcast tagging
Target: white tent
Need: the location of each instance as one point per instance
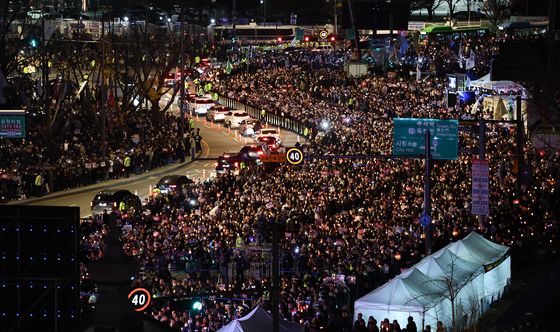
(492, 256)
(422, 291)
(498, 86)
(259, 320)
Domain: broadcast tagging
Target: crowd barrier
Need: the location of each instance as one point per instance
(269, 118)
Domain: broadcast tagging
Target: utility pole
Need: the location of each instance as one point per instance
(264, 12)
(103, 91)
(335, 18)
(481, 154)
(275, 276)
(356, 35)
(182, 87)
(519, 146)
(234, 18)
(428, 195)
(44, 61)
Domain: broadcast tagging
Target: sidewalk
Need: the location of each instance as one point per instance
(107, 184)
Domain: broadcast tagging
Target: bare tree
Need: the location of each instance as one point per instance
(429, 5)
(448, 286)
(452, 284)
(451, 5)
(495, 10)
(147, 60)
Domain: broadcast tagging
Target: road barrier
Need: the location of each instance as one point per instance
(269, 118)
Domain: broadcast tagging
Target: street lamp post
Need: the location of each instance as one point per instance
(428, 195)
(263, 3)
(103, 91)
(275, 276)
(44, 61)
(182, 87)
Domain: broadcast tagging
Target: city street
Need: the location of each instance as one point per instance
(400, 170)
(216, 140)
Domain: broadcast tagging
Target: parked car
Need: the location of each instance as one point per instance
(269, 132)
(109, 200)
(254, 150)
(172, 182)
(273, 143)
(229, 161)
(234, 118)
(217, 113)
(250, 127)
(201, 105)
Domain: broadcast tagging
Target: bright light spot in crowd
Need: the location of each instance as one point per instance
(126, 18)
(197, 305)
(192, 202)
(325, 124)
(212, 21)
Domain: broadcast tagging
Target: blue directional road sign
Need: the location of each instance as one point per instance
(425, 220)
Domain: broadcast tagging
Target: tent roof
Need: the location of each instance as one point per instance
(444, 262)
(417, 288)
(393, 295)
(486, 83)
(259, 320)
(476, 249)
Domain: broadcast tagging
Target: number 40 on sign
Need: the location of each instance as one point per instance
(139, 298)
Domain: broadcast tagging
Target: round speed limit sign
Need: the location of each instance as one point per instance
(139, 298)
(323, 34)
(294, 156)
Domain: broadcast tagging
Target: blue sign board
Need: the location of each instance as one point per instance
(425, 220)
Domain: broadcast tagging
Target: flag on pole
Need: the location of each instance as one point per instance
(461, 54)
(471, 61)
(228, 67)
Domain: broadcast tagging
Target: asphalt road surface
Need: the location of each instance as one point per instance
(216, 140)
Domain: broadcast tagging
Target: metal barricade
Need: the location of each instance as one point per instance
(269, 118)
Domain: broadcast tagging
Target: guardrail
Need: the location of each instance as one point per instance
(270, 118)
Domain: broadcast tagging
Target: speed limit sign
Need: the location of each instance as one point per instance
(323, 34)
(139, 298)
(294, 156)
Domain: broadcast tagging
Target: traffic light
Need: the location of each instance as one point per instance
(306, 39)
(279, 39)
(333, 39)
(33, 43)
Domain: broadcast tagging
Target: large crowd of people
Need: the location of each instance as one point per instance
(346, 225)
(76, 155)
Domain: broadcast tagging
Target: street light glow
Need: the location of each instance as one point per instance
(212, 21)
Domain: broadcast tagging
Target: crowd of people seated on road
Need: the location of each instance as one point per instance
(32, 167)
(336, 217)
